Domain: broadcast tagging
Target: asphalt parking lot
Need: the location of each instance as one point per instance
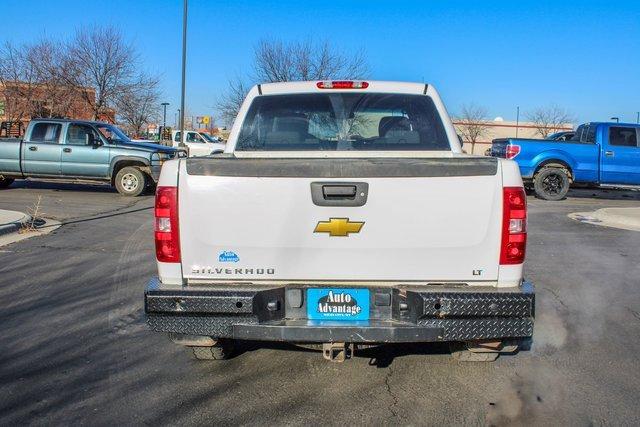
(75, 348)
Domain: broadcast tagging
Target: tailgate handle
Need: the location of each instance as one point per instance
(339, 193)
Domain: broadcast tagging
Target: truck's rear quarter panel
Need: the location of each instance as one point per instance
(582, 158)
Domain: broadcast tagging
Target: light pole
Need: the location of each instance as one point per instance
(184, 66)
(617, 119)
(517, 119)
(638, 117)
(164, 114)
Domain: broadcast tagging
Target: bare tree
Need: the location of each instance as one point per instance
(549, 120)
(18, 79)
(232, 99)
(472, 123)
(277, 61)
(96, 68)
(55, 96)
(101, 60)
(139, 104)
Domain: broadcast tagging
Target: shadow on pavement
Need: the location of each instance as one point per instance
(63, 186)
(604, 194)
(380, 355)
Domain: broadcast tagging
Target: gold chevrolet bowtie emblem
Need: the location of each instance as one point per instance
(338, 227)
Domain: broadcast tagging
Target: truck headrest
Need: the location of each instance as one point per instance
(393, 123)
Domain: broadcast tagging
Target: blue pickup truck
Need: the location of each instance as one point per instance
(82, 150)
(598, 154)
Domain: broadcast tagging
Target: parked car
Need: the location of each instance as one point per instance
(598, 154)
(343, 213)
(85, 150)
(198, 143)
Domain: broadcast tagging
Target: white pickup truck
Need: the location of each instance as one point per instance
(198, 143)
(342, 213)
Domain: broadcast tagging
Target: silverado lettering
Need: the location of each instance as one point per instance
(222, 270)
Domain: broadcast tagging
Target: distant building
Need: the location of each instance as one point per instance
(503, 129)
(20, 102)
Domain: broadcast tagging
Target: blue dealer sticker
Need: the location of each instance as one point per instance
(228, 256)
(337, 304)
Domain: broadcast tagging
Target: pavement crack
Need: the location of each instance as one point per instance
(556, 296)
(100, 214)
(634, 313)
(123, 210)
(125, 323)
(394, 398)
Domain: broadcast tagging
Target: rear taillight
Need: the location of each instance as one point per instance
(342, 84)
(514, 226)
(512, 151)
(167, 233)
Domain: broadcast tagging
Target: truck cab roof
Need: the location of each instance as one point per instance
(81, 121)
(343, 118)
(374, 86)
(613, 124)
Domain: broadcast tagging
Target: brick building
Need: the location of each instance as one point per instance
(20, 102)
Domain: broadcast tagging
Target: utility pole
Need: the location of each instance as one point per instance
(164, 114)
(517, 119)
(638, 117)
(184, 67)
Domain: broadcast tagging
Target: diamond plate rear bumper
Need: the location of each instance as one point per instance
(397, 314)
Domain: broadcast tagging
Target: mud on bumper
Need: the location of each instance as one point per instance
(397, 314)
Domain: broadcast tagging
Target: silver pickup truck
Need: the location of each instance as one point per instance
(82, 150)
(342, 214)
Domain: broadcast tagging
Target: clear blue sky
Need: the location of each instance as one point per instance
(581, 55)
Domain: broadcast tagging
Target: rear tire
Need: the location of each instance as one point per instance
(5, 182)
(131, 181)
(151, 185)
(552, 183)
(222, 350)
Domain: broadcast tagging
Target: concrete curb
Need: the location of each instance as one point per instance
(13, 226)
(623, 218)
(46, 228)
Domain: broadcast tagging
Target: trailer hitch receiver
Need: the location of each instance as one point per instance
(337, 351)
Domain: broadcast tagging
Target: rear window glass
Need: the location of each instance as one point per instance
(580, 134)
(46, 132)
(342, 121)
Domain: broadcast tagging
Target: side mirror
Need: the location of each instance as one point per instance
(91, 140)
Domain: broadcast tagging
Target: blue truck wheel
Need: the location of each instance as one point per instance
(551, 183)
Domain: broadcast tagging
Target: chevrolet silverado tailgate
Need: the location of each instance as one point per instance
(347, 219)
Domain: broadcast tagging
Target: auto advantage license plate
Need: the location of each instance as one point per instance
(337, 304)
